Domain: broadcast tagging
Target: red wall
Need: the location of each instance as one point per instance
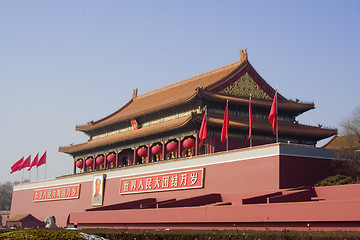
(302, 171)
(253, 175)
(327, 214)
(235, 175)
(242, 176)
(22, 204)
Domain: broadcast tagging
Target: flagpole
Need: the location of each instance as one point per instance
(203, 130)
(45, 170)
(277, 127)
(227, 143)
(206, 117)
(273, 118)
(249, 120)
(37, 174)
(225, 127)
(227, 137)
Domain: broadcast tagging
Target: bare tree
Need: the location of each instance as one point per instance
(6, 190)
(350, 130)
(351, 126)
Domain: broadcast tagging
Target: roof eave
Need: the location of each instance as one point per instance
(259, 125)
(257, 102)
(72, 149)
(98, 124)
(90, 125)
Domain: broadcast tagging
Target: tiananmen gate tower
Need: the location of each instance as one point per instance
(174, 113)
(143, 166)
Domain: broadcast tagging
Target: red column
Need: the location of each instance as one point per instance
(74, 166)
(148, 154)
(208, 145)
(212, 145)
(134, 160)
(94, 163)
(116, 159)
(105, 161)
(86, 168)
(179, 148)
(163, 151)
(196, 144)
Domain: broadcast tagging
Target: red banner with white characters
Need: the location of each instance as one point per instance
(163, 182)
(57, 193)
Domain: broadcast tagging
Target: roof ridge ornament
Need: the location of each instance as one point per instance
(243, 55)
(134, 93)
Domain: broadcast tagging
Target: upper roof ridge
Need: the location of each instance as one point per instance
(189, 80)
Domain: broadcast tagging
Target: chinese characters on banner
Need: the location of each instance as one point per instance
(163, 182)
(57, 193)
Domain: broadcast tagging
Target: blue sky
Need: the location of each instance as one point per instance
(64, 63)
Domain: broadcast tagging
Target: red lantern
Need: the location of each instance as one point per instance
(111, 158)
(157, 149)
(100, 160)
(172, 146)
(79, 164)
(142, 152)
(89, 162)
(189, 143)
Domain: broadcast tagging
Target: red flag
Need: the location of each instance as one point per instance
(203, 130)
(273, 114)
(25, 163)
(225, 126)
(42, 160)
(34, 162)
(250, 118)
(16, 165)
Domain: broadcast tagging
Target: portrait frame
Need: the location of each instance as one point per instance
(97, 196)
